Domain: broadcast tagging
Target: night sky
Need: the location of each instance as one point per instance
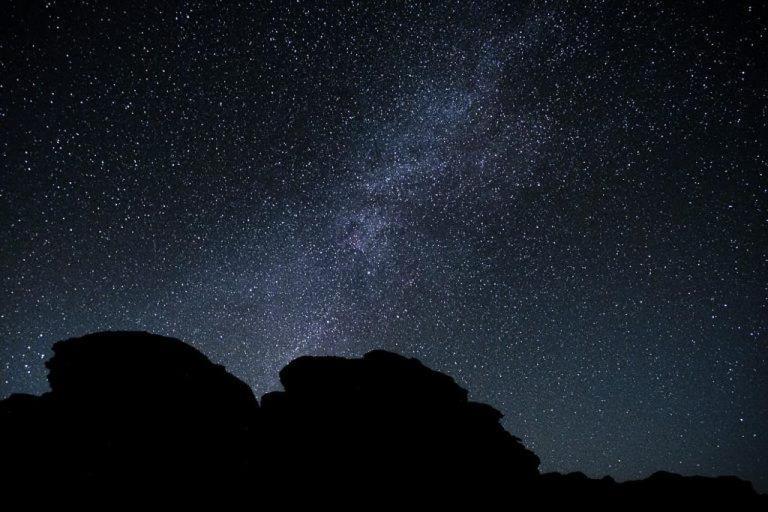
(563, 207)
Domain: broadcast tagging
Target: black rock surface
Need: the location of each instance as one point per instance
(130, 412)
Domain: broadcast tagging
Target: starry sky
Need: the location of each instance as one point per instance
(563, 205)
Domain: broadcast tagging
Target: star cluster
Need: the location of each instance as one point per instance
(561, 205)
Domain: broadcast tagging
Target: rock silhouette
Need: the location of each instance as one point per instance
(127, 405)
(395, 419)
(130, 412)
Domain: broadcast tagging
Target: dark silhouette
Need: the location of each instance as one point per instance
(387, 419)
(127, 406)
(131, 412)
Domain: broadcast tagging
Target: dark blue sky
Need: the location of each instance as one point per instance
(563, 207)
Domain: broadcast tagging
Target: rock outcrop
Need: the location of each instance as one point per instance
(131, 412)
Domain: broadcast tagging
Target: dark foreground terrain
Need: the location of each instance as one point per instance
(132, 412)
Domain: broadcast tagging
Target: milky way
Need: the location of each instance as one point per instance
(563, 207)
